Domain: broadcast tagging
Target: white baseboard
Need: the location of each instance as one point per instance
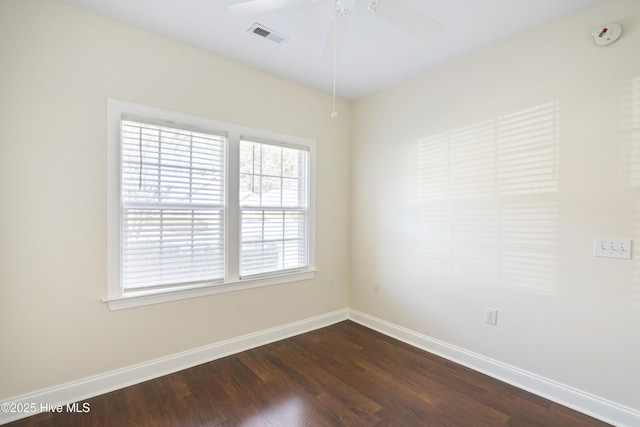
(602, 409)
(30, 404)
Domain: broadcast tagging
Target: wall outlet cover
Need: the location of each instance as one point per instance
(491, 316)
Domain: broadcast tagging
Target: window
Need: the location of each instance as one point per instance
(172, 198)
(273, 206)
(198, 206)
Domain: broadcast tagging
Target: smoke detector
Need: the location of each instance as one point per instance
(607, 34)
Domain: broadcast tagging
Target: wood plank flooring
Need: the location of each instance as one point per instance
(341, 375)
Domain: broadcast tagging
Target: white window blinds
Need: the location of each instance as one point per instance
(173, 205)
(274, 202)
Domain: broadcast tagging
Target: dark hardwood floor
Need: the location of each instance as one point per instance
(342, 375)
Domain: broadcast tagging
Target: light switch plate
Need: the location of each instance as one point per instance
(612, 248)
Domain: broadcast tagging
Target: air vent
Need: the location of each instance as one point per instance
(264, 32)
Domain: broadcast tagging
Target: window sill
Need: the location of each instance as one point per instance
(143, 298)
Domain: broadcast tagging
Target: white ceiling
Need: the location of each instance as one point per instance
(375, 54)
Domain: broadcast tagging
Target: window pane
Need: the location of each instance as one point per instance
(273, 201)
(273, 176)
(162, 247)
(272, 241)
(161, 164)
(173, 228)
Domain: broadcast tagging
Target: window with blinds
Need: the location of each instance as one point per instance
(197, 206)
(173, 206)
(274, 201)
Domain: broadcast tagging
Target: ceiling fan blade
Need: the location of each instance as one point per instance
(335, 37)
(408, 19)
(250, 7)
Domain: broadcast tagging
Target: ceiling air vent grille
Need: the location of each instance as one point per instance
(264, 32)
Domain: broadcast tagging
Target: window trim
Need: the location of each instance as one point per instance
(116, 298)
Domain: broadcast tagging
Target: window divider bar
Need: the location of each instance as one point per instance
(170, 205)
(233, 237)
(274, 208)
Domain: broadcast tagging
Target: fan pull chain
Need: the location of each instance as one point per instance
(338, 5)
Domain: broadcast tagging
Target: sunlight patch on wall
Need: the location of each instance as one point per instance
(487, 199)
(514, 154)
(475, 252)
(528, 151)
(630, 130)
(632, 284)
(436, 238)
(433, 168)
(630, 137)
(529, 236)
(472, 157)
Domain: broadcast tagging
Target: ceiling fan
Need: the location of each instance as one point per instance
(394, 11)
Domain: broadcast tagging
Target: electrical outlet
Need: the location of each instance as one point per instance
(376, 287)
(491, 316)
(330, 285)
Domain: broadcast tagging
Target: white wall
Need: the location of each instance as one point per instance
(59, 65)
(483, 183)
